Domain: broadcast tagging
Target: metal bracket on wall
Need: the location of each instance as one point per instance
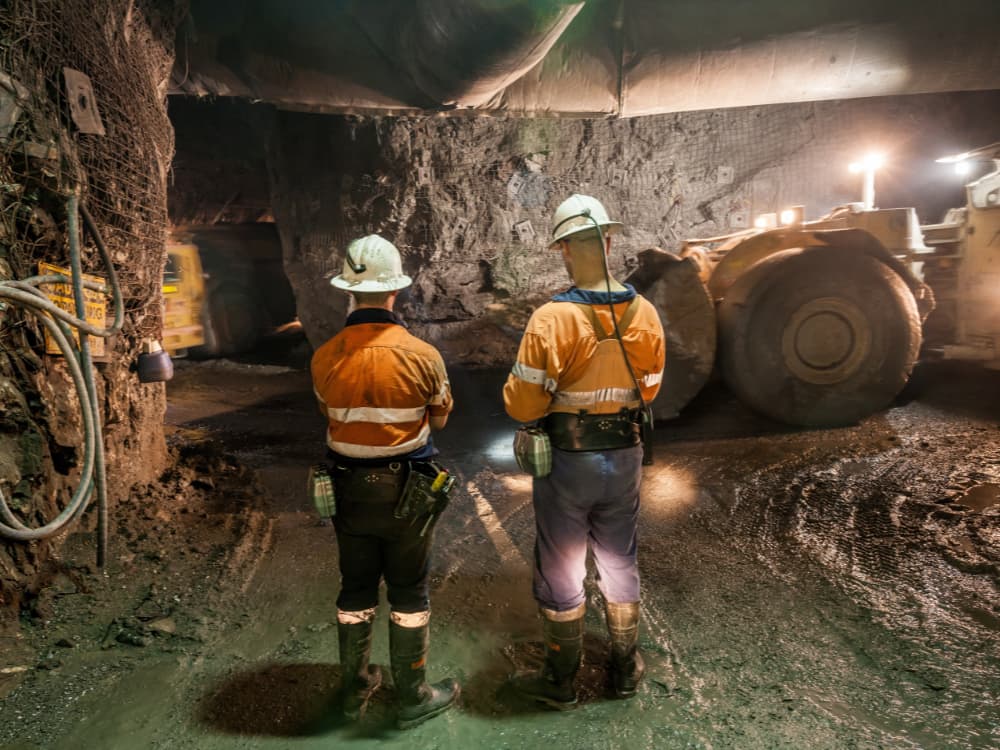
(82, 102)
(525, 231)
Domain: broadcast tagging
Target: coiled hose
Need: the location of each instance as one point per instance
(26, 295)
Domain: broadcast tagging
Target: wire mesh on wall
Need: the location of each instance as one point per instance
(45, 153)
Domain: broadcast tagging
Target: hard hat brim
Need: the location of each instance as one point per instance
(369, 285)
(609, 227)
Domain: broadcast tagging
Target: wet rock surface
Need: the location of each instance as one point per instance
(802, 588)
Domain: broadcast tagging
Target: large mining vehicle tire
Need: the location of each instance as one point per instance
(819, 337)
(688, 317)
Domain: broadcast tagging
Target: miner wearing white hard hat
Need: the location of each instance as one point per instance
(383, 391)
(588, 362)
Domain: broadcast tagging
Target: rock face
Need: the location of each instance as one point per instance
(468, 200)
(119, 166)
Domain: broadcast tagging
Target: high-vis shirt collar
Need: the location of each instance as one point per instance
(373, 315)
(588, 297)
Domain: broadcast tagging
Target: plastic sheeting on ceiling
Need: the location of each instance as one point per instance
(584, 58)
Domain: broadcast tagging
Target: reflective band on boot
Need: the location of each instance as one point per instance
(411, 619)
(627, 666)
(354, 617)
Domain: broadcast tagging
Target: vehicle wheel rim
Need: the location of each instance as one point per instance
(826, 340)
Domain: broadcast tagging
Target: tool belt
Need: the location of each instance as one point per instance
(370, 484)
(594, 432)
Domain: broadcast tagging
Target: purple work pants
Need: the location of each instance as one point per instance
(590, 497)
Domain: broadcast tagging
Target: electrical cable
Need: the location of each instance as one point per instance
(101, 484)
(25, 294)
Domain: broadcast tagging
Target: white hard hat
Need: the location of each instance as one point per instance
(579, 213)
(372, 264)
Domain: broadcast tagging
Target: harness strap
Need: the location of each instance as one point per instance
(595, 322)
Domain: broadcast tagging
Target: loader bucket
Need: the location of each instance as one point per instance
(688, 316)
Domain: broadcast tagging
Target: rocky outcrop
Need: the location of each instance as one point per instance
(112, 145)
(468, 200)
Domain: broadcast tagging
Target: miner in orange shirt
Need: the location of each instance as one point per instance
(571, 375)
(382, 391)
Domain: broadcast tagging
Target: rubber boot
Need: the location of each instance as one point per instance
(627, 666)
(359, 680)
(418, 701)
(553, 684)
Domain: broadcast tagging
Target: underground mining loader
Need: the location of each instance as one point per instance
(819, 323)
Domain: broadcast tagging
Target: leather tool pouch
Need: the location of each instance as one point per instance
(419, 497)
(370, 484)
(593, 432)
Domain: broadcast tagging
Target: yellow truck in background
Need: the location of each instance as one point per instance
(183, 298)
(224, 288)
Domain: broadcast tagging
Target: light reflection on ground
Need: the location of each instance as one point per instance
(501, 448)
(517, 483)
(667, 491)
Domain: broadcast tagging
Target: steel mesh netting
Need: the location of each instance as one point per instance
(668, 177)
(120, 174)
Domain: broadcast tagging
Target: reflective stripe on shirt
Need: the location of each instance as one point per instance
(354, 450)
(533, 375)
(375, 414)
(442, 395)
(586, 398)
(652, 378)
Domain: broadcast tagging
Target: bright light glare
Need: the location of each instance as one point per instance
(760, 222)
(787, 216)
(953, 158)
(963, 167)
(870, 162)
(502, 448)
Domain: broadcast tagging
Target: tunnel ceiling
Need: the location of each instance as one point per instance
(592, 58)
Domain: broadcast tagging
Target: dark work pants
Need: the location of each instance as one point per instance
(591, 498)
(373, 544)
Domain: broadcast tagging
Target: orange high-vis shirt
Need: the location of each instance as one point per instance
(563, 367)
(379, 386)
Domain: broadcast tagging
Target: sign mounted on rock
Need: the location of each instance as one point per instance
(96, 305)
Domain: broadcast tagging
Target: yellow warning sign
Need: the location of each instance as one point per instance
(95, 305)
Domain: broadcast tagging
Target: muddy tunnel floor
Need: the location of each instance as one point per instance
(802, 588)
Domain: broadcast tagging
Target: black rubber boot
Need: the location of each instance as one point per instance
(358, 679)
(553, 684)
(627, 666)
(418, 701)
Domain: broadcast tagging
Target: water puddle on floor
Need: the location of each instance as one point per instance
(980, 497)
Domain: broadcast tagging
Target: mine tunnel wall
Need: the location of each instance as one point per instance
(126, 50)
(468, 200)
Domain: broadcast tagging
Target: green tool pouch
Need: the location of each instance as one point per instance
(533, 451)
(320, 487)
(425, 492)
